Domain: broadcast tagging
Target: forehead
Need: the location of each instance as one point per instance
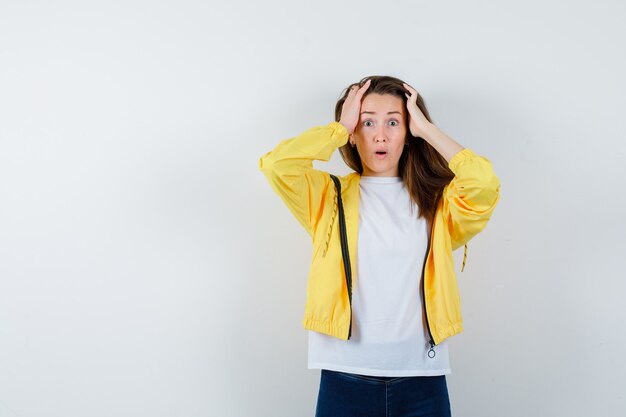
(381, 104)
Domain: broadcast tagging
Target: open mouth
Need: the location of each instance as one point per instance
(381, 154)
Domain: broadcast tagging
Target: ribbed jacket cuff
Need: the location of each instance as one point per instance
(461, 156)
(339, 133)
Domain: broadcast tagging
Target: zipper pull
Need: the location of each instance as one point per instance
(431, 351)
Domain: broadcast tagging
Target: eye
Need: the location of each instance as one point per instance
(393, 122)
(365, 123)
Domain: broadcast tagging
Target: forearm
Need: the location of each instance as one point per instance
(443, 143)
(299, 152)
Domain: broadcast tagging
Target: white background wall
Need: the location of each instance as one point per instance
(147, 268)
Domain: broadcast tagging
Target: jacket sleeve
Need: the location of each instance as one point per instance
(471, 196)
(289, 170)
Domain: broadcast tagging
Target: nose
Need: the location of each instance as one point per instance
(380, 136)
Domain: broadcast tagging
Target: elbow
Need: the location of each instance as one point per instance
(484, 193)
(269, 167)
(489, 192)
(265, 162)
(493, 189)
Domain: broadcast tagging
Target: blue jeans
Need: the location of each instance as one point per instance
(344, 394)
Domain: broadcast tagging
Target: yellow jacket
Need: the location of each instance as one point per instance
(463, 211)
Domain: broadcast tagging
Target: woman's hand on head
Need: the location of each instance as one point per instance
(351, 109)
(418, 122)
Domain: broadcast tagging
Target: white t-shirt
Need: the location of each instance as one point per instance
(389, 335)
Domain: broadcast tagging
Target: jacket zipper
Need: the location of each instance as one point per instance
(346, 262)
(344, 249)
(431, 351)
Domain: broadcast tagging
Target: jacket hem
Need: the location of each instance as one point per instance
(328, 328)
(450, 330)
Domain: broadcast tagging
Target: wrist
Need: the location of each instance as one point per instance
(429, 131)
(350, 131)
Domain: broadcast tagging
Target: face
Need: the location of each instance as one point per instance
(380, 134)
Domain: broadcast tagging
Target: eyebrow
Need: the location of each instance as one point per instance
(373, 112)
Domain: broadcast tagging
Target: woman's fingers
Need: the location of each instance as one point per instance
(352, 105)
(411, 90)
(414, 94)
(355, 91)
(363, 88)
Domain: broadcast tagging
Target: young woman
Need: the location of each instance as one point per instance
(383, 300)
